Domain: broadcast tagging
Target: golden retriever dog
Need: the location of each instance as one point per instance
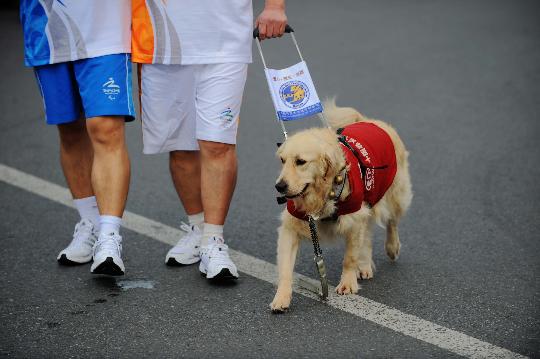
(313, 161)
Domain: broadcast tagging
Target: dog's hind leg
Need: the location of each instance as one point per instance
(286, 257)
(392, 244)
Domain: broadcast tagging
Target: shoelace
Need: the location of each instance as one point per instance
(109, 244)
(188, 237)
(82, 234)
(219, 252)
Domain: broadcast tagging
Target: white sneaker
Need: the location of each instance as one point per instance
(186, 251)
(80, 249)
(108, 255)
(215, 260)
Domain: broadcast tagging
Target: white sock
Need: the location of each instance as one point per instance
(88, 209)
(209, 231)
(196, 219)
(110, 224)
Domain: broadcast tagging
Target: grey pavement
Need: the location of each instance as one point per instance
(460, 82)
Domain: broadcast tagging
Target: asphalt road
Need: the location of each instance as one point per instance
(460, 82)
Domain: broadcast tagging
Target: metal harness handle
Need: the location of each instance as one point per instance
(289, 30)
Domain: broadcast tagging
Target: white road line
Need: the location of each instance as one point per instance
(359, 306)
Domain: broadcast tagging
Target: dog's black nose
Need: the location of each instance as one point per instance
(281, 186)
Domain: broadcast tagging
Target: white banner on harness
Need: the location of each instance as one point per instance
(293, 92)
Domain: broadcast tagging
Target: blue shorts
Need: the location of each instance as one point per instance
(99, 86)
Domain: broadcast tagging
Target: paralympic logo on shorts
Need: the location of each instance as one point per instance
(294, 94)
(111, 89)
(227, 118)
(226, 115)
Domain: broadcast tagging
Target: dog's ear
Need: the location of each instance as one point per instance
(280, 146)
(326, 166)
(331, 162)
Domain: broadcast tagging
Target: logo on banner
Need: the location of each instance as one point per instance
(294, 94)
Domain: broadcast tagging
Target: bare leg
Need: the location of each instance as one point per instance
(392, 244)
(76, 156)
(111, 167)
(185, 167)
(218, 179)
(286, 257)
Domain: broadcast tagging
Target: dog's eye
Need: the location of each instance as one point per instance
(282, 160)
(300, 162)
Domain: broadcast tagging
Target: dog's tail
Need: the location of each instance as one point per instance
(340, 116)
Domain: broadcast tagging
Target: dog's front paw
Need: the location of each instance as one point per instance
(365, 271)
(281, 302)
(348, 284)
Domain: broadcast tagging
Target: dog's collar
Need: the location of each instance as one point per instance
(338, 184)
(337, 190)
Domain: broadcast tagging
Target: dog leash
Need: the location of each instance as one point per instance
(318, 259)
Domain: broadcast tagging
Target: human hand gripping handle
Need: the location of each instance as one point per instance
(272, 22)
(256, 35)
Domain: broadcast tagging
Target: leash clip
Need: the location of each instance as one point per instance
(321, 270)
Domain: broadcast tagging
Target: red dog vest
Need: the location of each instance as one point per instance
(372, 165)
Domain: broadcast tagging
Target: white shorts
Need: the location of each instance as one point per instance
(185, 103)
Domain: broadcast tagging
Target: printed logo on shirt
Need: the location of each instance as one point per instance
(354, 143)
(111, 89)
(370, 179)
(294, 94)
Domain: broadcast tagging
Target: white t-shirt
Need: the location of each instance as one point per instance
(68, 30)
(192, 31)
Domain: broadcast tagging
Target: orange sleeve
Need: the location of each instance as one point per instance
(142, 33)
